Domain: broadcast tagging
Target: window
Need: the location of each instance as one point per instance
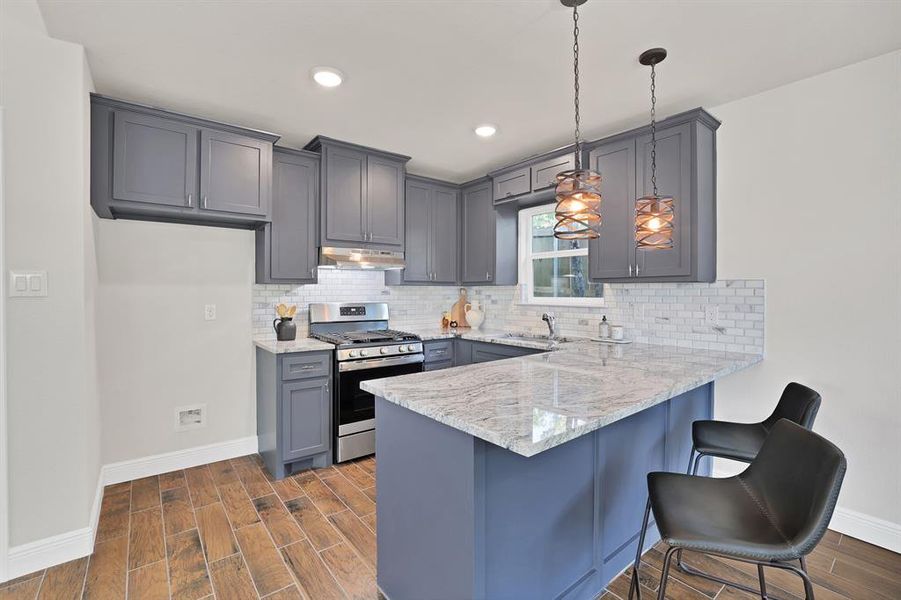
(553, 271)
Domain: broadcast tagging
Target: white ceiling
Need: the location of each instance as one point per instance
(421, 74)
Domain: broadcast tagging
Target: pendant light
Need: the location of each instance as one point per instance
(653, 214)
(578, 191)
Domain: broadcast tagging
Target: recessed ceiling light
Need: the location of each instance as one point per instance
(327, 77)
(485, 130)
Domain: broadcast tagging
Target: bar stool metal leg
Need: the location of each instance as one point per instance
(664, 575)
(635, 583)
(691, 457)
(760, 575)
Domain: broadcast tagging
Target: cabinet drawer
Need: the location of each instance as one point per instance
(306, 364)
(438, 365)
(512, 184)
(439, 350)
(544, 174)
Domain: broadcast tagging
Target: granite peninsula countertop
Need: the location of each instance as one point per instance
(533, 403)
(301, 344)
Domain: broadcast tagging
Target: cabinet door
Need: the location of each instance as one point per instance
(673, 178)
(444, 235)
(344, 195)
(385, 201)
(235, 173)
(478, 235)
(305, 418)
(544, 174)
(295, 192)
(437, 366)
(613, 254)
(418, 227)
(154, 160)
(512, 184)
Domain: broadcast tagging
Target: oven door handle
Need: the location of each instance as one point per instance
(375, 363)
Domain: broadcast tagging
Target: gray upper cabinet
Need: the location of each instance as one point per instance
(385, 201)
(154, 160)
(512, 183)
(612, 255)
(156, 165)
(544, 173)
(674, 164)
(431, 231)
(235, 173)
(478, 234)
(686, 170)
(286, 248)
(362, 195)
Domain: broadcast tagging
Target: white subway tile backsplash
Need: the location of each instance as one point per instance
(657, 313)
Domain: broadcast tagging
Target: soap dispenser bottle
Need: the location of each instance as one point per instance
(604, 328)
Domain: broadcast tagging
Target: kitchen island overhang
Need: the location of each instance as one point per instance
(506, 480)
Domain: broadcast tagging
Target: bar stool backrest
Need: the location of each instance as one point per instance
(798, 404)
(795, 479)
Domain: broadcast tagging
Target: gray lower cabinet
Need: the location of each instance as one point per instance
(362, 195)
(294, 410)
(456, 352)
(488, 237)
(686, 170)
(487, 352)
(286, 248)
(155, 165)
(431, 232)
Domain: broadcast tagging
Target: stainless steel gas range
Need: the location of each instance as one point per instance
(364, 349)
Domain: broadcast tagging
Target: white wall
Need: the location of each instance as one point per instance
(808, 199)
(156, 351)
(53, 414)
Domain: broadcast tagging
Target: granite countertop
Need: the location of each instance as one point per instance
(301, 344)
(533, 403)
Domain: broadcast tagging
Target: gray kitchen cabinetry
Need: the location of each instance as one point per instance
(686, 170)
(155, 165)
(487, 238)
(286, 248)
(362, 197)
(431, 231)
(294, 410)
(532, 176)
(468, 352)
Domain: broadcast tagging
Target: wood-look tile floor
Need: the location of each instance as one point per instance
(227, 530)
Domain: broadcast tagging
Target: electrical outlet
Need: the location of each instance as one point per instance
(712, 314)
(209, 312)
(190, 417)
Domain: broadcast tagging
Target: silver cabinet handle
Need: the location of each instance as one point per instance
(630, 270)
(203, 201)
(313, 272)
(487, 275)
(190, 200)
(636, 269)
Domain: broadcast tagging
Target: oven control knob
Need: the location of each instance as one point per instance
(364, 352)
(411, 348)
(384, 349)
(352, 354)
(401, 348)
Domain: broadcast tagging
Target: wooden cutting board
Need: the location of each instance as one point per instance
(458, 310)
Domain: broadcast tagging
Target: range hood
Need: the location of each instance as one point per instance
(360, 259)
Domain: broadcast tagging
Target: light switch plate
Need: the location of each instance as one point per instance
(28, 284)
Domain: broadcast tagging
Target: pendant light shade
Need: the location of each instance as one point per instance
(578, 192)
(654, 214)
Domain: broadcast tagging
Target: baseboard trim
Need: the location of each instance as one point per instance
(874, 530)
(53, 550)
(46, 552)
(180, 459)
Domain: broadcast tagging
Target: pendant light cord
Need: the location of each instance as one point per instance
(654, 128)
(578, 134)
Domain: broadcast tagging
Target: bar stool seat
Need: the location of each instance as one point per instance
(714, 515)
(741, 441)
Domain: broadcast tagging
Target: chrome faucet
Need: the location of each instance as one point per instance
(551, 321)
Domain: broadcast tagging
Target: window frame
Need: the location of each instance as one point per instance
(526, 256)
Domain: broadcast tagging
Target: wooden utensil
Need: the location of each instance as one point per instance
(458, 311)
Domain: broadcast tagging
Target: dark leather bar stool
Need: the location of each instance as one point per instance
(742, 441)
(771, 515)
